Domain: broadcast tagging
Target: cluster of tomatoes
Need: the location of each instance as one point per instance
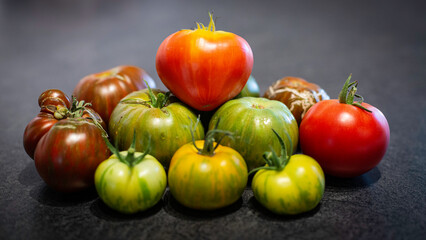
(158, 140)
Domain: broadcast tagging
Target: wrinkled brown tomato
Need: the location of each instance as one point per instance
(104, 90)
(297, 94)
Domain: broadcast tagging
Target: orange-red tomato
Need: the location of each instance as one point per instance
(204, 67)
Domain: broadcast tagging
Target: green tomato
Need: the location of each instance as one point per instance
(297, 188)
(153, 117)
(251, 89)
(251, 120)
(130, 187)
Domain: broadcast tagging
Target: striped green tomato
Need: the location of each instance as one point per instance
(251, 119)
(153, 117)
(207, 181)
(130, 187)
(288, 185)
(297, 188)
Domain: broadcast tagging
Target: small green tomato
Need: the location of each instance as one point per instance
(288, 185)
(130, 181)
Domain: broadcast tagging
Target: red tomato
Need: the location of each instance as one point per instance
(344, 138)
(105, 89)
(65, 141)
(203, 67)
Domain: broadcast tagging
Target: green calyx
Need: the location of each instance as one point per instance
(159, 101)
(129, 159)
(211, 27)
(209, 147)
(348, 98)
(77, 110)
(271, 158)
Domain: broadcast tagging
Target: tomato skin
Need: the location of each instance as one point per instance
(251, 89)
(297, 94)
(298, 188)
(207, 182)
(346, 140)
(35, 130)
(105, 89)
(53, 97)
(167, 128)
(204, 68)
(251, 120)
(67, 156)
(130, 189)
(48, 101)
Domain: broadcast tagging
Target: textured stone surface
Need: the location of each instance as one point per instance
(52, 44)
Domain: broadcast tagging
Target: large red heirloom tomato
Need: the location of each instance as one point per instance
(347, 138)
(66, 141)
(105, 89)
(204, 67)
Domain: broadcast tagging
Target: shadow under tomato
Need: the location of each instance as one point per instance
(47, 196)
(101, 210)
(348, 184)
(264, 213)
(29, 175)
(174, 208)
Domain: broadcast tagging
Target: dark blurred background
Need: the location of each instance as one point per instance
(53, 44)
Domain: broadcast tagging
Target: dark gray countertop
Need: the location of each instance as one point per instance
(53, 44)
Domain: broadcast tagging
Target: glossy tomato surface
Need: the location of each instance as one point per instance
(167, 128)
(207, 182)
(68, 154)
(105, 89)
(251, 120)
(49, 101)
(346, 140)
(297, 188)
(204, 68)
(130, 189)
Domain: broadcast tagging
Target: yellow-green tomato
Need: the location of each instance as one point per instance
(130, 188)
(297, 188)
(207, 181)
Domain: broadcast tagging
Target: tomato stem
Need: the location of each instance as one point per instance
(346, 98)
(130, 159)
(193, 128)
(273, 162)
(77, 110)
(209, 146)
(211, 27)
(158, 101)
